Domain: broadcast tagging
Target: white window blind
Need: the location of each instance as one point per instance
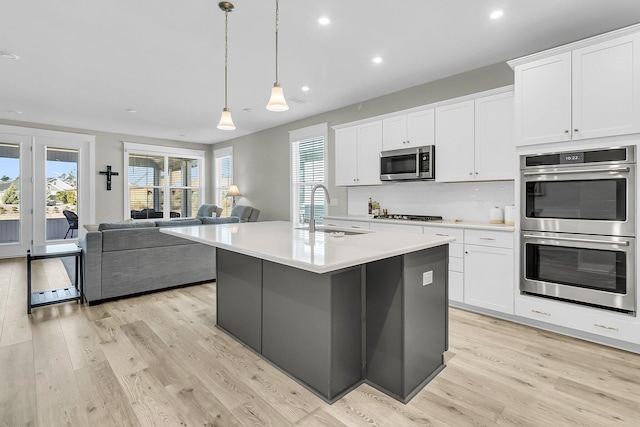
(308, 168)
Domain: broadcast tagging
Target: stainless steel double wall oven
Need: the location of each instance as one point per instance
(578, 227)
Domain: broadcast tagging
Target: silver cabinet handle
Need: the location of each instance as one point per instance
(440, 234)
(544, 313)
(609, 328)
(577, 171)
(566, 131)
(487, 238)
(571, 239)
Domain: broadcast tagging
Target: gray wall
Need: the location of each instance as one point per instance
(110, 151)
(261, 160)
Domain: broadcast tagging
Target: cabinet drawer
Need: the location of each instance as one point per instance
(456, 250)
(458, 233)
(489, 238)
(580, 318)
(456, 264)
(403, 228)
(346, 223)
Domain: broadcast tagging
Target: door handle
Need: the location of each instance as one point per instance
(572, 239)
(624, 169)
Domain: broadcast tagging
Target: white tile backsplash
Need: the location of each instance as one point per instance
(469, 201)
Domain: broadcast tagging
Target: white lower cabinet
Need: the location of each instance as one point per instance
(585, 319)
(489, 280)
(456, 261)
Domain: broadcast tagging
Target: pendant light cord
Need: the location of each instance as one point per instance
(277, 28)
(226, 54)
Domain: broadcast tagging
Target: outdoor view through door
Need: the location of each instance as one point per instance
(61, 197)
(9, 192)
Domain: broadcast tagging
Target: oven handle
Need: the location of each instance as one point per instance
(569, 239)
(418, 162)
(576, 171)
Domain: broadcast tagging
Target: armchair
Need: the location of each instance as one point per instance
(245, 213)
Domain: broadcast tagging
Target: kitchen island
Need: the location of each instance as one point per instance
(334, 308)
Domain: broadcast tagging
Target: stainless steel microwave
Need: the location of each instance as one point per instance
(408, 164)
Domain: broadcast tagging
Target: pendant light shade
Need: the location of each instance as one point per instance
(226, 122)
(277, 102)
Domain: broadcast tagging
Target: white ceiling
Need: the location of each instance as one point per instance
(84, 63)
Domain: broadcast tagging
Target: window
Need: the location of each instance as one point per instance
(163, 182)
(223, 178)
(308, 168)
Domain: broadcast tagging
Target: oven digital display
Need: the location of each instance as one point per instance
(568, 158)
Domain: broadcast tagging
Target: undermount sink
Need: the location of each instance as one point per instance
(333, 231)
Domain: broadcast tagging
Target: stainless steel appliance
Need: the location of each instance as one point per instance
(424, 218)
(583, 268)
(408, 164)
(590, 192)
(578, 222)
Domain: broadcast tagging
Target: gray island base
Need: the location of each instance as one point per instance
(383, 322)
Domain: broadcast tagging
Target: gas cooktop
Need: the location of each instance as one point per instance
(425, 218)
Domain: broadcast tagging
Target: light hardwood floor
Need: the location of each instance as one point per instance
(159, 360)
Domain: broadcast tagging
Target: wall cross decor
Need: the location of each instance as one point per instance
(109, 174)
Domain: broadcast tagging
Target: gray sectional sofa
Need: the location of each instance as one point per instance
(129, 258)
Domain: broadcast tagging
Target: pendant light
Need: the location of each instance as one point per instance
(226, 123)
(277, 101)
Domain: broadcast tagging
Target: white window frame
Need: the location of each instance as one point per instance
(315, 131)
(166, 152)
(219, 154)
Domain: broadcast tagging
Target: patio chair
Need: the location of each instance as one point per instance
(72, 219)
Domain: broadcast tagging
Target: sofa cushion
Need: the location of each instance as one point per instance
(124, 225)
(221, 220)
(141, 238)
(183, 222)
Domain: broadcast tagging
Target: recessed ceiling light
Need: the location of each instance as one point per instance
(324, 20)
(9, 55)
(377, 60)
(305, 88)
(496, 14)
(131, 110)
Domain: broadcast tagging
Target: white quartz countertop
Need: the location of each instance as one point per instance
(280, 242)
(443, 223)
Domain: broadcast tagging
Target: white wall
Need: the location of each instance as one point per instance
(468, 201)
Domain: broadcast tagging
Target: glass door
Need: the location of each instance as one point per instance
(61, 201)
(15, 195)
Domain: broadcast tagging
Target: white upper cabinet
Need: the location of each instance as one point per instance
(495, 153)
(543, 100)
(357, 150)
(606, 88)
(589, 92)
(475, 140)
(414, 129)
(455, 140)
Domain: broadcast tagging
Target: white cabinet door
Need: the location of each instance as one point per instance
(495, 154)
(543, 100)
(606, 88)
(394, 132)
(489, 278)
(455, 131)
(346, 150)
(421, 128)
(369, 147)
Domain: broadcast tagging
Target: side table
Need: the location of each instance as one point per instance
(54, 296)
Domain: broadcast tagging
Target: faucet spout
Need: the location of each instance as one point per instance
(312, 220)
